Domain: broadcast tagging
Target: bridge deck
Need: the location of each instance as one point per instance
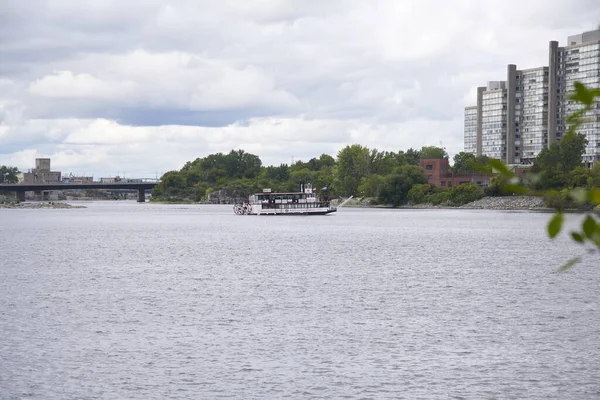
(35, 187)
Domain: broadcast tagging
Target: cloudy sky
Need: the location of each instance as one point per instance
(139, 87)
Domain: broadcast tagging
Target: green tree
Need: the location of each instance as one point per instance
(212, 161)
(481, 160)
(498, 186)
(396, 186)
(555, 162)
(240, 189)
(353, 164)
(433, 152)
(325, 162)
(304, 175)
(465, 193)
(438, 196)
(299, 164)
(410, 156)
(382, 162)
(172, 183)
(279, 174)
(417, 193)
(9, 174)
(239, 164)
(585, 177)
(463, 162)
(371, 186)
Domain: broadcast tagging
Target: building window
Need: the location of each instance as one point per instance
(429, 167)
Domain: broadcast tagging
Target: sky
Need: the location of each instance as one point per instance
(138, 88)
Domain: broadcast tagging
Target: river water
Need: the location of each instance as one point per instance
(143, 301)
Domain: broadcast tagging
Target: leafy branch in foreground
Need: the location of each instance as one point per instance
(589, 232)
(590, 226)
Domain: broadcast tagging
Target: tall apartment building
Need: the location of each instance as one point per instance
(528, 100)
(471, 129)
(513, 121)
(493, 120)
(534, 105)
(578, 61)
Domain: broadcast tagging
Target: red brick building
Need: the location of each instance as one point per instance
(438, 173)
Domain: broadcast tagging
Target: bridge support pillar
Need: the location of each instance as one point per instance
(141, 195)
(20, 196)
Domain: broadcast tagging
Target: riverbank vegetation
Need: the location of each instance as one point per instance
(388, 178)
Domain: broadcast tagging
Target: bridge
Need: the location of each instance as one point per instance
(20, 189)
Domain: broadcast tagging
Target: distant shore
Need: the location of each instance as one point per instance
(506, 203)
(37, 205)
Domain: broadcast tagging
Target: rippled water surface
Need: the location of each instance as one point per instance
(142, 301)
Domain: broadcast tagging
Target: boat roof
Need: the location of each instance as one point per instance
(279, 193)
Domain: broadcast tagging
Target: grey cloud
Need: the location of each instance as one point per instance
(375, 63)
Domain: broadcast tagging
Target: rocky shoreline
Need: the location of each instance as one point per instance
(40, 205)
(507, 203)
(531, 203)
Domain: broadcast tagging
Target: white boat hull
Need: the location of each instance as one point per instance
(257, 209)
(294, 211)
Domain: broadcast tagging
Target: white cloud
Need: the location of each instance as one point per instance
(105, 147)
(66, 84)
(173, 79)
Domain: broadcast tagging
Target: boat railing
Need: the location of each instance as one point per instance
(316, 204)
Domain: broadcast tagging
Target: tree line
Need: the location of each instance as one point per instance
(385, 176)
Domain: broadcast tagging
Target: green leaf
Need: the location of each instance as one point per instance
(555, 225)
(579, 195)
(575, 116)
(500, 167)
(589, 226)
(582, 94)
(595, 196)
(486, 169)
(569, 264)
(577, 237)
(596, 237)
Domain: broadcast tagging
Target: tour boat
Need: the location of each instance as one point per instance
(304, 202)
